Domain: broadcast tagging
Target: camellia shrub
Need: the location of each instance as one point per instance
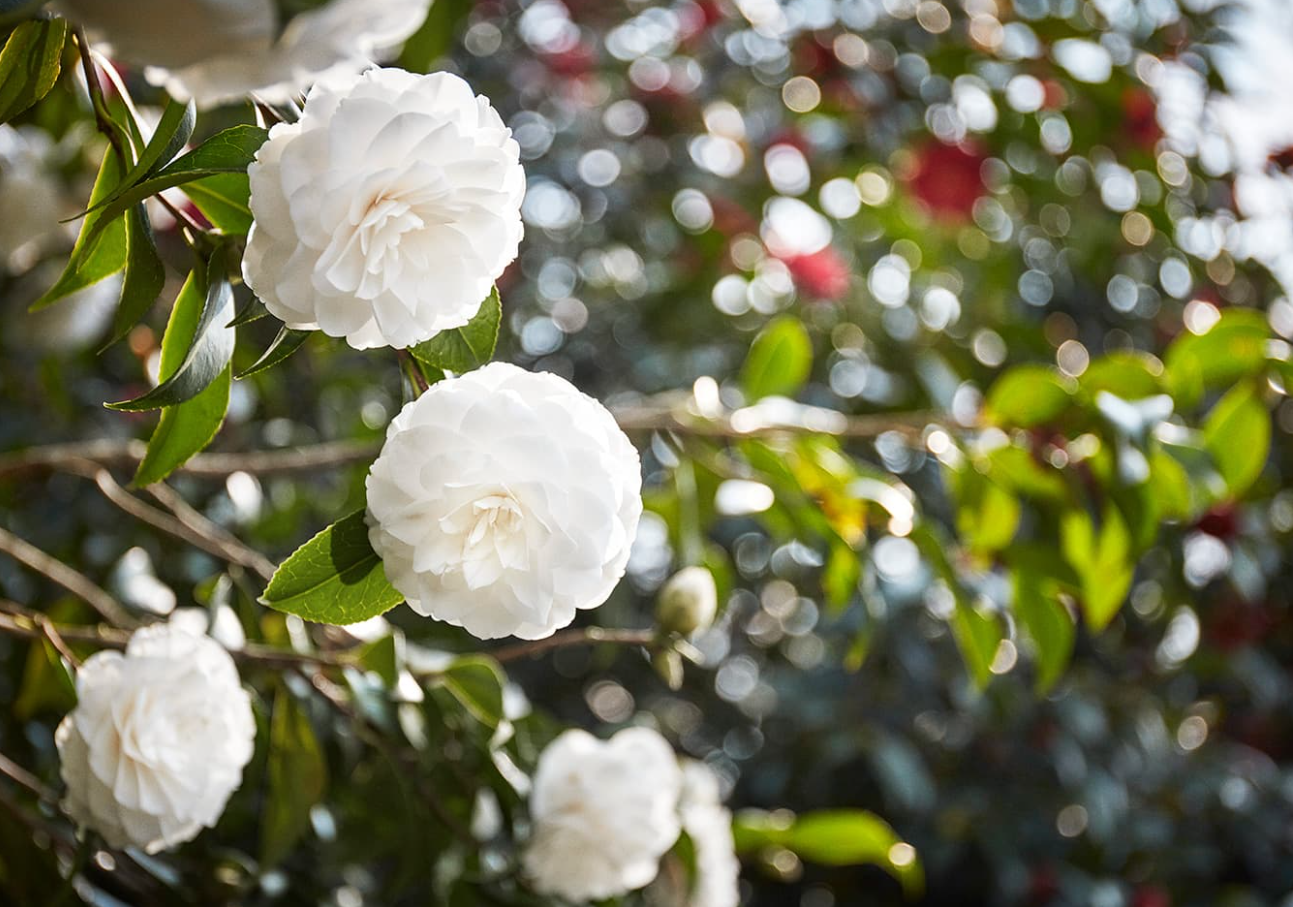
(692, 454)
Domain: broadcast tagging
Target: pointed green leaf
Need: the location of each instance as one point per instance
(468, 347)
(297, 777)
(476, 681)
(145, 275)
(1237, 434)
(29, 64)
(285, 344)
(173, 131)
(205, 350)
(225, 200)
(1231, 350)
(254, 310)
(334, 578)
(1028, 395)
(1102, 558)
(779, 361)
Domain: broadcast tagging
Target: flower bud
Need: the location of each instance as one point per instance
(688, 602)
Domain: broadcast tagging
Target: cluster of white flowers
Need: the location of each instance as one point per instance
(386, 213)
(503, 501)
(605, 813)
(158, 739)
(220, 50)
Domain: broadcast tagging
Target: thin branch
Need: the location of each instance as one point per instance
(102, 118)
(25, 779)
(233, 549)
(589, 636)
(71, 580)
(56, 640)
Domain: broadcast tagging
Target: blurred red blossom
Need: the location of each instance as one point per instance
(823, 274)
(947, 179)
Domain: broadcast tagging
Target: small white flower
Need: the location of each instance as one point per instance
(220, 50)
(387, 212)
(158, 739)
(709, 825)
(503, 501)
(603, 814)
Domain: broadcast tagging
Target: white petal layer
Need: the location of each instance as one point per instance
(387, 212)
(158, 740)
(503, 501)
(604, 814)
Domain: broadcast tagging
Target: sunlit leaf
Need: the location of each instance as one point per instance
(1028, 395)
(779, 361)
(1238, 435)
(29, 64)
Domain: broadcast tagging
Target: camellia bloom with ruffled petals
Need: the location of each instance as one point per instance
(603, 813)
(709, 826)
(221, 50)
(503, 501)
(158, 739)
(386, 213)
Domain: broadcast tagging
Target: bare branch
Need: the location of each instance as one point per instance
(71, 580)
(588, 636)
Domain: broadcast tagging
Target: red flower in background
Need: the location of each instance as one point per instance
(947, 179)
(1140, 118)
(1222, 521)
(823, 274)
(1151, 896)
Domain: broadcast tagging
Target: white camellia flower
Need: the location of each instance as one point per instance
(387, 212)
(603, 814)
(709, 825)
(158, 739)
(221, 50)
(503, 501)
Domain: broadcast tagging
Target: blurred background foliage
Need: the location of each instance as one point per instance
(954, 340)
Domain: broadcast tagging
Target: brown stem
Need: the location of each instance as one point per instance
(102, 118)
(71, 580)
(587, 636)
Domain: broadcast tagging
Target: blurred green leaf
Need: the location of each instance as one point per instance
(837, 837)
(100, 249)
(1233, 349)
(186, 427)
(987, 515)
(779, 361)
(476, 681)
(297, 777)
(382, 657)
(1238, 435)
(435, 37)
(225, 200)
(1027, 396)
(30, 62)
(1102, 558)
(335, 578)
(1128, 375)
(1039, 575)
(46, 684)
(468, 347)
(977, 635)
(195, 351)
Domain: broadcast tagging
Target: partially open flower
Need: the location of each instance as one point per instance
(158, 739)
(688, 601)
(503, 501)
(221, 50)
(604, 814)
(386, 213)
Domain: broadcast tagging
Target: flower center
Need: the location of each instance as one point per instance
(386, 220)
(491, 530)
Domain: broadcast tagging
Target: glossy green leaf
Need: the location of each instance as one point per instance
(254, 310)
(334, 578)
(187, 427)
(1039, 574)
(1102, 556)
(468, 347)
(1129, 375)
(145, 275)
(29, 64)
(173, 131)
(476, 681)
(204, 351)
(836, 837)
(1028, 395)
(297, 775)
(1232, 349)
(284, 344)
(779, 361)
(100, 249)
(1238, 435)
(225, 200)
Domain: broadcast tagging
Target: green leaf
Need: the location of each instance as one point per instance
(779, 361)
(46, 684)
(100, 249)
(297, 776)
(382, 657)
(225, 200)
(435, 37)
(476, 681)
(977, 635)
(1102, 559)
(1237, 434)
(987, 515)
(1039, 575)
(1028, 395)
(254, 310)
(836, 837)
(173, 131)
(230, 151)
(1232, 350)
(145, 275)
(189, 426)
(1128, 375)
(336, 577)
(285, 344)
(203, 352)
(468, 347)
(29, 64)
